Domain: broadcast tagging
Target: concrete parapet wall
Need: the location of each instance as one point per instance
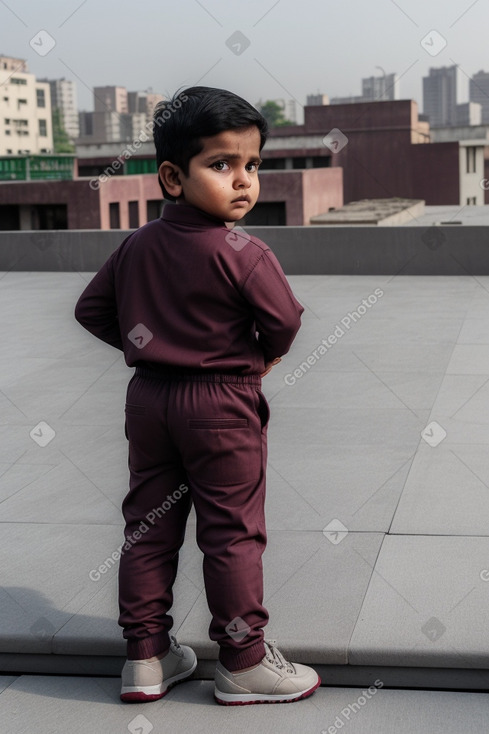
(449, 250)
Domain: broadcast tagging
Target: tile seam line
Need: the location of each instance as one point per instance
(362, 604)
(430, 417)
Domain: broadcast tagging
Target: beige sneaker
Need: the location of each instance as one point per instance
(144, 681)
(273, 680)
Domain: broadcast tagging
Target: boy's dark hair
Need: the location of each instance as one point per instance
(195, 113)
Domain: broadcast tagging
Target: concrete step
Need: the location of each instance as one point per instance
(56, 705)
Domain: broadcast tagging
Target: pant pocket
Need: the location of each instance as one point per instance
(225, 451)
(263, 409)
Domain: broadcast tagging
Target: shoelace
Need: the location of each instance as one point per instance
(175, 644)
(274, 656)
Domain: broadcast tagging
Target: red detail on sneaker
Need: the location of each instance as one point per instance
(285, 700)
(141, 697)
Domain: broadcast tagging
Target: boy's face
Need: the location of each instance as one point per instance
(222, 179)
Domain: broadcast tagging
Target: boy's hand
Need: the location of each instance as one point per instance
(269, 365)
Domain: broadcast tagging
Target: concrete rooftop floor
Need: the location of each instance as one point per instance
(377, 566)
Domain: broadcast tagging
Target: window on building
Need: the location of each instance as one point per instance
(49, 216)
(133, 214)
(43, 128)
(41, 98)
(299, 162)
(7, 132)
(153, 209)
(470, 159)
(20, 102)
(17, 80)
(272, 164)
(7, 121)
(9, 217)
(321, 161)
(114, 215)
(267, 213)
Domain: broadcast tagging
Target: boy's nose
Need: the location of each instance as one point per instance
(243, 178)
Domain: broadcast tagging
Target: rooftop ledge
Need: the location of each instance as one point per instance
(422, 249)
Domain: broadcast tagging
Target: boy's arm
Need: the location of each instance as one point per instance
(96, 309)
(277, 312)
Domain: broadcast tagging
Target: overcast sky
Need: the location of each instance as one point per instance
(278, 49)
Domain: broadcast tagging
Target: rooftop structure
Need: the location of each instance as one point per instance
(378, 212)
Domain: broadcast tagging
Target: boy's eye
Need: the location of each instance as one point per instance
(220, 165)
(252, 167)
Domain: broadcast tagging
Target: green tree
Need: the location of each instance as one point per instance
(61, 141)
(273, 114)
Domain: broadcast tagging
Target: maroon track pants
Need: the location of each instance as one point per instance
(201, 439)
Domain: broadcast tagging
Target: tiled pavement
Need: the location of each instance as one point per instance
(377, 566)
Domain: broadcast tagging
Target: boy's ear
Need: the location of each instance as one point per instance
(170, 175)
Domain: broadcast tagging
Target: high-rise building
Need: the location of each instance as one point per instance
(143, 102)
(469, 113)
(374, 89)
(119, 115)
(479, 92)
(381, 88)
(440, 96)
(63, 97)
(110, 99)
(25, 110)
(314, 100)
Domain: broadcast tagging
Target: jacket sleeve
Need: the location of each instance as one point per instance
(277, 312)
(96, 309)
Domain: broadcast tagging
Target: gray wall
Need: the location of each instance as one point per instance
(450, 250)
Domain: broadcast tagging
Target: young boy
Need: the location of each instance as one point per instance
(203, 314)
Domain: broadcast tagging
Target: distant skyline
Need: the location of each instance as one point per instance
(277, 49)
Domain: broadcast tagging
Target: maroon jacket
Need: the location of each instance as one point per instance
(184, 291)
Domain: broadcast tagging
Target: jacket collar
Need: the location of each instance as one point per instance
(186, 214)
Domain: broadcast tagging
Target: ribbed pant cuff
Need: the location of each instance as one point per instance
(147, 647)
(234, 659)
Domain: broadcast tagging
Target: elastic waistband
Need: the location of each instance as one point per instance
(155, 374)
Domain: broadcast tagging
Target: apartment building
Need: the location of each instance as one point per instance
(25, 110)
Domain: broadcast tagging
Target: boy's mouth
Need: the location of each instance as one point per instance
(241, 198)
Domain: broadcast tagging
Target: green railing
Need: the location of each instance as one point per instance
(37, 168)
(134, 166)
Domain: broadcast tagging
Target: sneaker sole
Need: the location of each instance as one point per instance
(236, 699)
(146, 694)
